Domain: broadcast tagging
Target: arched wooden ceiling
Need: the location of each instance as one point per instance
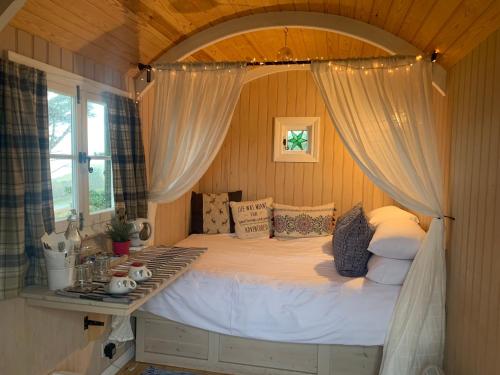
(124, 32)
(304, 43)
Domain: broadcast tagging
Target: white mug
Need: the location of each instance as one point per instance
(139, 272)
(120, 284)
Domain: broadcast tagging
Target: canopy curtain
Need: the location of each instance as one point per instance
(381, 109)
(26, 206)
(194, 104)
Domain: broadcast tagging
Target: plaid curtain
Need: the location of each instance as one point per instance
(26, 207)
(127, 154)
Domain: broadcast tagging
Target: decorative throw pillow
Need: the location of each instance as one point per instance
(387, 271)
(350, 242)
(210, 213)
(252, 218)
(300, 222)
(381, 214)
(397, 239)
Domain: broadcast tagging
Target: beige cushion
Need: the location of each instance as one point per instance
(301, 222)
(252, 219)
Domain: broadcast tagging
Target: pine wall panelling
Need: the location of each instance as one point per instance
(33, 46)
(41, 340)
(473, 300)
(245, 161)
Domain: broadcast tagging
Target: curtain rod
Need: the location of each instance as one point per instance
(433, 57)
(148, 68)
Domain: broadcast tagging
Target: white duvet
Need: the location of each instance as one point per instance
(276, 290)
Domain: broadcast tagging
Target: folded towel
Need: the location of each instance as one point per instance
(121, 329)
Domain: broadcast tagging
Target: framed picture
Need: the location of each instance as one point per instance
(296, 139)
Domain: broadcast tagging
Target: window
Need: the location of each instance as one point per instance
(62, 151)
(100, 179)
(80, 155)
(296, 139)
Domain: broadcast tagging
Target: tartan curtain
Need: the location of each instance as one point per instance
(26, 207)
(127, 155)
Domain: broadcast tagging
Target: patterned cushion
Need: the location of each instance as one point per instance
(252, 218)
(350, 242)
(210, 213)
(300, 222)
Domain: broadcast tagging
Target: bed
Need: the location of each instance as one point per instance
(249, 306)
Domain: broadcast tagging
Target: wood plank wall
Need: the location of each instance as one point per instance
(473, 300)
(42, 340)
(245, 159)
(24, 43)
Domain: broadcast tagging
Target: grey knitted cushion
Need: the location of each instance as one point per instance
(350, 242)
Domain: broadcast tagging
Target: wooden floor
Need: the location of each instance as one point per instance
(136, 368)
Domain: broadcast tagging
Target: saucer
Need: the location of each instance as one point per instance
(106, 289)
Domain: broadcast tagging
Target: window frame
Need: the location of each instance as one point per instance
(284, 124)
(66, 83)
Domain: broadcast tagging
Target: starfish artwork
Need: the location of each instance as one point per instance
(297, 140)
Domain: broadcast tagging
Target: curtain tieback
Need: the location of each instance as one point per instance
(446, 217)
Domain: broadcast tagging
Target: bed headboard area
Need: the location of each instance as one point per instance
(245, 161)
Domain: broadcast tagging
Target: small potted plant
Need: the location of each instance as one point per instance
(119, 232)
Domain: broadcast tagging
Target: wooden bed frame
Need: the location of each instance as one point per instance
(162, 341)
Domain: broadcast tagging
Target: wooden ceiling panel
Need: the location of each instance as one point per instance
(123, 32)
(304, 43)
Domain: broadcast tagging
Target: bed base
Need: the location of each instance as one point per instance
(162, 341)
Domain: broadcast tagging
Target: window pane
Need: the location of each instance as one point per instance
(62, 186)
(100, 186)
(60, 121)
(98, 134)
(298, 140)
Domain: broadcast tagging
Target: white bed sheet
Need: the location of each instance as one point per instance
(276, 290)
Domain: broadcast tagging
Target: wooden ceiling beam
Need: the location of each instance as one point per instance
(8, 9)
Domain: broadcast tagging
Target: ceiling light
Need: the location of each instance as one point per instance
(285, 53)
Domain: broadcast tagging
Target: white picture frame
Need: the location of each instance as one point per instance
(283, 151)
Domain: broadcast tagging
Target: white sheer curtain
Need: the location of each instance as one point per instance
(381, 108)
(192, 113)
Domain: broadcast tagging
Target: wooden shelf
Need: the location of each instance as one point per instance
(42, 297)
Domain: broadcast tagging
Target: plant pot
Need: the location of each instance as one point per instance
(121, 248)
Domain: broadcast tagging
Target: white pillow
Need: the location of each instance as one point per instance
(252, 219)
(382, 214)
(387, 271)
(397, 239)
